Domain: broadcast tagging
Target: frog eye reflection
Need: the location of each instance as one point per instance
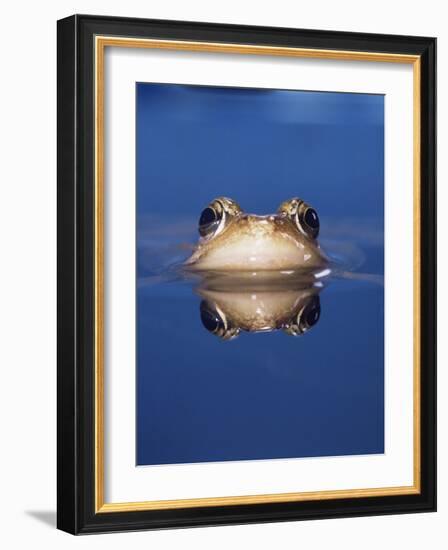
(311, 314)
(215, 322)
(208, 222)
(210, 318)
(306, 318)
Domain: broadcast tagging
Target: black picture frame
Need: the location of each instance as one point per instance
(76, 225)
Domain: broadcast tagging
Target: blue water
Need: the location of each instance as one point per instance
(265, 395)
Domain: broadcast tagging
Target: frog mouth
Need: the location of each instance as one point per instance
(258, 252)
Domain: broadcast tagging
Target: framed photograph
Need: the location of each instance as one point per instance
(246, 274)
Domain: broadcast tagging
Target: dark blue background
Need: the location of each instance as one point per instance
(263, 395)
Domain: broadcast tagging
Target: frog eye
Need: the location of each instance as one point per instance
(310, 221)
(306, 318)
(216, 216)
(208, 222)
(302, 215)
(216, 323)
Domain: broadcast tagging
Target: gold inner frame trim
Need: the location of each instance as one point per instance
(101, 42)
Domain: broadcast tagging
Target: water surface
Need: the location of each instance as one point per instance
(264, 395)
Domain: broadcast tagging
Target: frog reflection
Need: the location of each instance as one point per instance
(231, 240)
(225, 313)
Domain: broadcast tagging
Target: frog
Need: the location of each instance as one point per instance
(231, 240)
(227, 312)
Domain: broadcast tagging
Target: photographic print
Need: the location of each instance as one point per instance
(260, 267)
(246, 274)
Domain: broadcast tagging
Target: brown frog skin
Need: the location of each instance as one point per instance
(231, 240)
